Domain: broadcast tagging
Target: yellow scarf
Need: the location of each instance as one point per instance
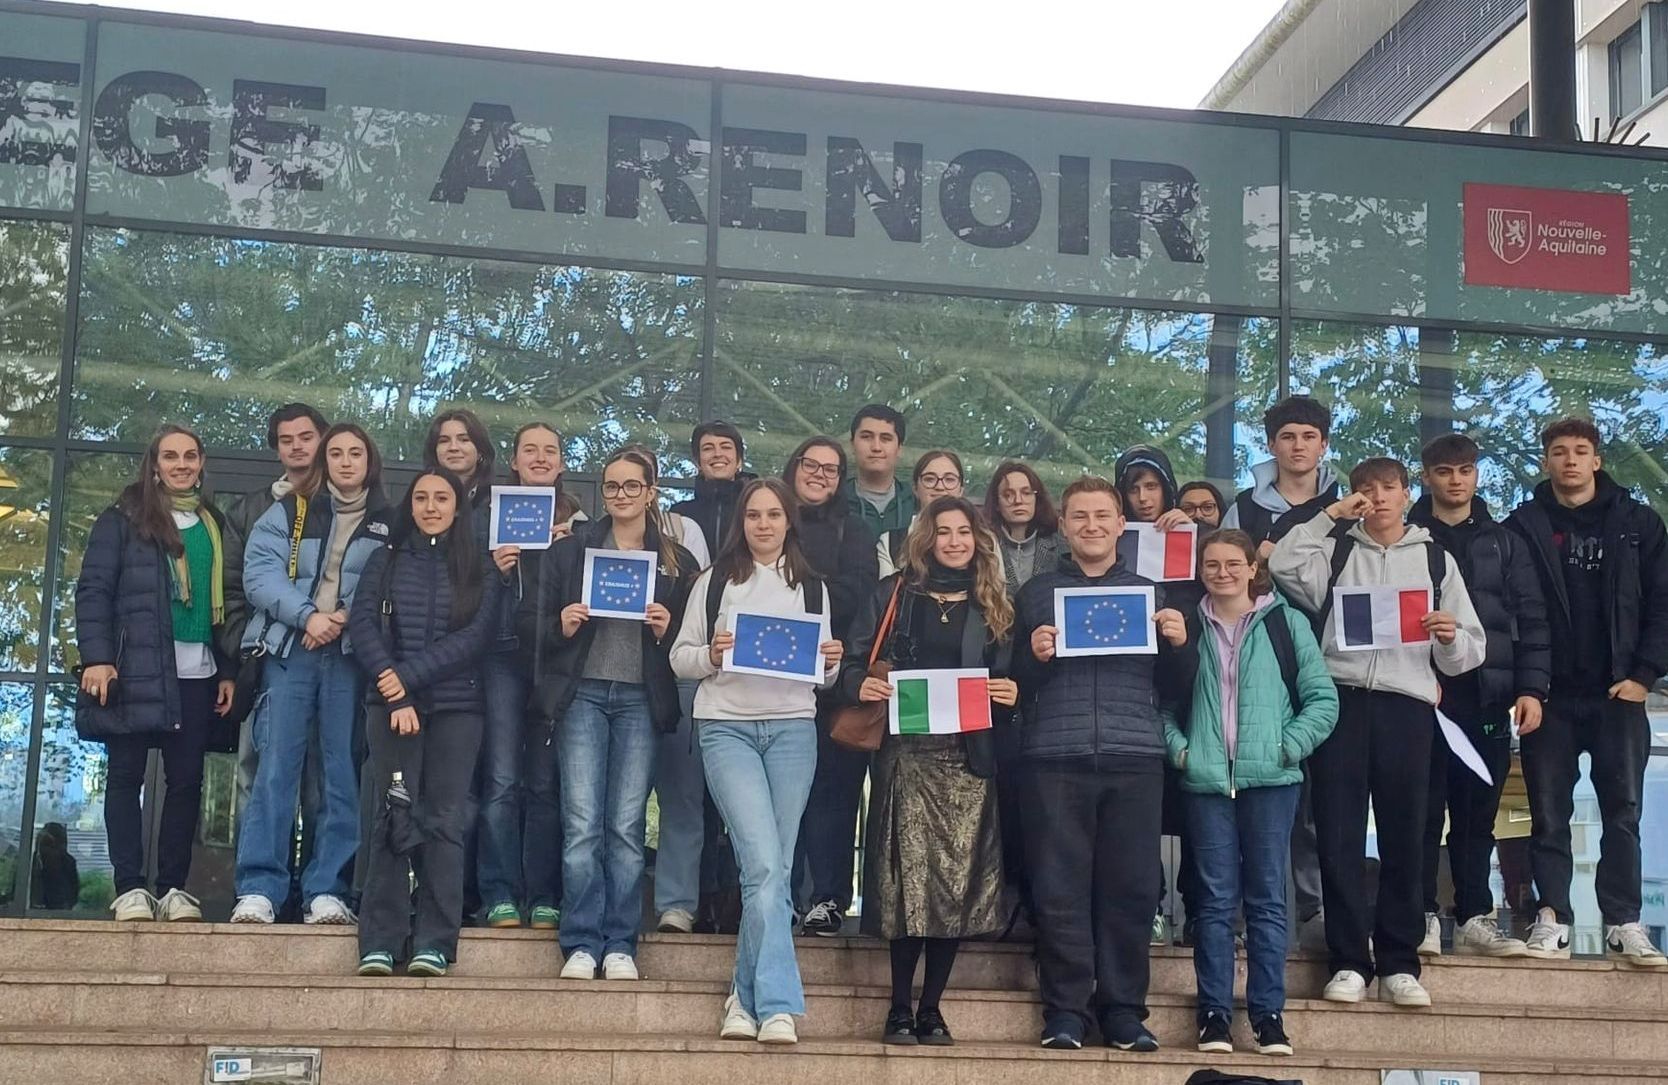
(193, 502)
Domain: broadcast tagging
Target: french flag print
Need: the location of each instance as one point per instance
(1160, 555)
(1380, 617)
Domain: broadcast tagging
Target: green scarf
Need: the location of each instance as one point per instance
(192, 501)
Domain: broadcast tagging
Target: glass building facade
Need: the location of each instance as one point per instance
(200, 221)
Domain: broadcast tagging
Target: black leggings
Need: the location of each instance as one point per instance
(941, 958)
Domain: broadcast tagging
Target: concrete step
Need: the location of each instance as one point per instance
(233, 1002)
(197, 948)
(58, 1056)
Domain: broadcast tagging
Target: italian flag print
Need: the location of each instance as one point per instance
(939, 702)
(1160, 555)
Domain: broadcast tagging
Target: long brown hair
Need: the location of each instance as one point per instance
(486, 456)
(735, 560)
(145, 500)
(1044, 520)
(1261, 582)
(639, 456)
(990, 586)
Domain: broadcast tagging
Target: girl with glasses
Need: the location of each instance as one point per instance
(938, 473)
(1021, 515)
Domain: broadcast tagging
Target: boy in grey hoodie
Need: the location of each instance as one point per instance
(1381, 748)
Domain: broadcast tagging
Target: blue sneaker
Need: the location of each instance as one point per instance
(1063, 1032)
(430, 962)
(376, 963)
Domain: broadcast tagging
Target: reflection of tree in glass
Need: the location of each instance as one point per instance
(25, 482)
(34, 265)
(215, 333)
(92, 483)
(1066, 387)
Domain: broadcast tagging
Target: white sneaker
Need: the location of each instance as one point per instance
(675, 921)
(1549, 939)
(619, 966)
(580, 966)
(738, 1023)
(778, 1028)
(253, 909)
(134, 906)
(1403, 989)
(1481, 936)
(1628, 943)
(1347, 985)
(1432, 945)
(178, 906)
(329, 911)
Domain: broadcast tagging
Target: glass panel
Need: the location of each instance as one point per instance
(1064, 387)
(1393, 387)
(1657, 14)
(1626, 82)
(72, 853)
(16, 706)
(40, 103)
(399, 144)
(1441, 232)
(215, 333)
(964, 194)
(93, 481)
(34, 271)
(25, 505)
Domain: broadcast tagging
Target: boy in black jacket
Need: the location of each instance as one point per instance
(1091, 779)
(1602, 558)
(1512, 682)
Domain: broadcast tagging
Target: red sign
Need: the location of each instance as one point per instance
(1547, 239)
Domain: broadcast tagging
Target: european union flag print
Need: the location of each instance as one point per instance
(1105, 621)
(786, 646)
(621, 583)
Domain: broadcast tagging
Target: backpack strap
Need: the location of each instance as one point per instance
(1343, 544)
(715, 599)
(385, 590)
(296, 530)
(1285, 653)
(1254, 520)
(813, 595)
(1436, 559)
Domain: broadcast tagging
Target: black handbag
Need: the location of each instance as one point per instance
(251, 666)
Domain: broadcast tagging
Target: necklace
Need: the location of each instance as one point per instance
(945, 605)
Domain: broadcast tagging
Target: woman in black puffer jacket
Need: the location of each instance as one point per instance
(422, 620)
(148, 606)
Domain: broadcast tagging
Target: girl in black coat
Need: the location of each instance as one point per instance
(422, 620)
(148, 605)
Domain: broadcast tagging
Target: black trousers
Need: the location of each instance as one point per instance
(1379, 751)
(1092, 836)
(1616, 736)
(182, 763)
(1471, 806)
(1306, 877)
(828, 831)
(438, 763)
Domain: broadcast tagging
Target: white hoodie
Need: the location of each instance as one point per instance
(1301, 565)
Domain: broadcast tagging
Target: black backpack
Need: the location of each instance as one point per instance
(1285, 653)
(1343, 544)
(1264, 526)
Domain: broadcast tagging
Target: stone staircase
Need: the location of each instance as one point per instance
(95, 1002)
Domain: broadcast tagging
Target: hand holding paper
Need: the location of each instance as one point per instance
(939, 702)
(618, 583)
(789, 646)
(521, 516)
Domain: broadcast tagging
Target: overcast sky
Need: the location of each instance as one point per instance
(1147, 52)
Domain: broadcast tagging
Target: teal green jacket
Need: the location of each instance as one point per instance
(1274, 737)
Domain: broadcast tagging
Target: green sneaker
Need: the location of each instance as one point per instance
(503, 915)
(545, 918)
(1161, 930)
(376, 964)
(427, 963)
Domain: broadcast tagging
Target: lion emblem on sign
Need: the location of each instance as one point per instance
(1509, 232)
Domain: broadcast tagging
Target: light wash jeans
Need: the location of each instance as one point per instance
(682, 789)
(760, 773)
(605, 744)
(498, 825)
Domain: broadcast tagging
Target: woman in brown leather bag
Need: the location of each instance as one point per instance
(934, 869)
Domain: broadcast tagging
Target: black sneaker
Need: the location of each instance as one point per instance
(1214, 1034)
(1063, 1033)
(900, 1027)
(824, 919)
(1270, 1035)
(1128, 1034)
(931, 1030)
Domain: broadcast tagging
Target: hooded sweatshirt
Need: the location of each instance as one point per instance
(1263, 493)
(1153, 459)
(1578, 537)
(1302, 566)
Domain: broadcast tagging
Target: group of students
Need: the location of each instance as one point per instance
(437, 692)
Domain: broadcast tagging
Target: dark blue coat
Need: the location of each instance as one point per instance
(1088, 707)
(124, 618)
(438, 665)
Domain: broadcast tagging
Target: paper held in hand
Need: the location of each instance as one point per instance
(777, 645)
(1104, 621)
(523, 516)
(1160, 555)
(618, 583)
(938, 702)
(1383, 616)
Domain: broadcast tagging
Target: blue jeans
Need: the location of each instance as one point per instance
(498, 825)
(682, 790)
(301, 692)
(760, 772)
(1241, 847)
(605, 746)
